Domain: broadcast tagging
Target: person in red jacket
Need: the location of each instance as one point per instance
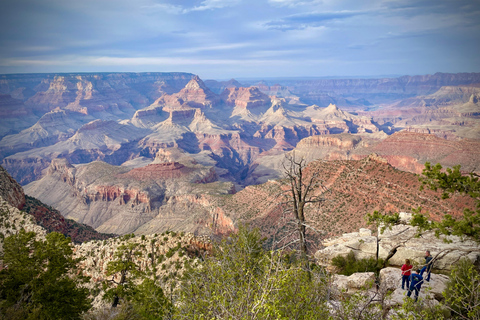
(406, 272)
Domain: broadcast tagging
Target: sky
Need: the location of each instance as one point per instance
(223, 39)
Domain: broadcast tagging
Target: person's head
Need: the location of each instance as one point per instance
(417, 271)
(427, 253)
(407, 262)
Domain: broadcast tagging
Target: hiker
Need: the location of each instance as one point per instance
(428, 265)
(406, 272)
(416, 281)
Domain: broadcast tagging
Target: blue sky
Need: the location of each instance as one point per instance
(225, 39)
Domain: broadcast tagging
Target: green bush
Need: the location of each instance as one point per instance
(240, 278)
(170, 252)
(349, 265)
(42, 280)
(462, 295)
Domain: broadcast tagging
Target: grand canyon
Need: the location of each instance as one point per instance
(240, 160)
(150, 152)
(170, 168)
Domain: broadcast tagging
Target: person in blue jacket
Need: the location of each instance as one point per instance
(416, 281)
(428, 265)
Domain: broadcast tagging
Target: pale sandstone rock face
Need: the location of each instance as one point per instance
(391, 278)
(389, 287)
(408, 246)
(246, 98)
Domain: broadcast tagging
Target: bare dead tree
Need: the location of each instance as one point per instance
(304, 188)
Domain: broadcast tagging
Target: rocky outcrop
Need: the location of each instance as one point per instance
(10, 190)
(401, 240)
(12, 220)
(25, 169)
(354, 283)
(195, 94)
(390, 280)
(246, 98)
(345, 142)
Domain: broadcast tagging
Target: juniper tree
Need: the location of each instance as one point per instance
(40, 279)
(452, 181)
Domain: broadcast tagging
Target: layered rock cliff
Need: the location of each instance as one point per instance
(119, 200)
(37, 213)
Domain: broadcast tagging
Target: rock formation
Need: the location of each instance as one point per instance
(403, 238)
(119, 199)
(50, 219)
(10, 190)
(164, 139)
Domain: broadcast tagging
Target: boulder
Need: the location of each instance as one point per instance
(396, 298)
(390, 278)
(436, 286)
(353, 283)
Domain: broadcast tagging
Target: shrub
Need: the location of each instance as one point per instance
(462, 295)
(170, 252)
(349, 265)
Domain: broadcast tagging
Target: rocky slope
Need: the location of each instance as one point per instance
(121, 199)
(355, 188)
(169, 252)
(10, 190)
(47, 217)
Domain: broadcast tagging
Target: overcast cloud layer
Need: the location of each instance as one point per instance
(234, 38)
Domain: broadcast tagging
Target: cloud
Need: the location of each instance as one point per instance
(204, 5)
(293, 3)
(305, 20)
(214, 4)
(136, 61)
(218, 47)
(165, 7)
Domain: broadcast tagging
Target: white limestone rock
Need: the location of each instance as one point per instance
(353, 283)
(390, 278)
(401, 238)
